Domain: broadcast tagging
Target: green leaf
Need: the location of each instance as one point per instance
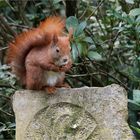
(136, 96)
(133, 105)
(130, 72)
(71, 22)
(82, 49)
(74, 52)
(138, 19)
(80, 28)
(56, 1)
(88, 39)
(136, 129)
(112, 0)
(3, 4)
(78, 50)
(31, 16)
(94, 55)
(92, 47)
(130, 1)
(135, 12)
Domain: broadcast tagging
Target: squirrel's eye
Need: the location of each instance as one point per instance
(57, 50)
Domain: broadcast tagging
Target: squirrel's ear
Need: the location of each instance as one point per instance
(55, 39)
(70, 33)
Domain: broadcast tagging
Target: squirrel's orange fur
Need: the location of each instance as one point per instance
(41, 56)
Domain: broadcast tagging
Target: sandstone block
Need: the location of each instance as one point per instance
(72, 114)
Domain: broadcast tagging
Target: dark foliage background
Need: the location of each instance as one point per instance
(105, 47)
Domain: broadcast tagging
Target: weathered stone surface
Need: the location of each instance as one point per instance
(72, 114)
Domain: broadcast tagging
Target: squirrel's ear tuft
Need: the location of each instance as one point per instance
(55, 39)
(70, 33)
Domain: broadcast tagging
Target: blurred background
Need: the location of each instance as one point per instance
(105, 48)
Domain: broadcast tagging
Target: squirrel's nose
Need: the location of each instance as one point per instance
(65, 60)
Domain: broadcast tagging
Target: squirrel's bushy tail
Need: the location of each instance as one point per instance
(53, 25)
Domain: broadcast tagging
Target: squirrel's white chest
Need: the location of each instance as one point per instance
(52, 78)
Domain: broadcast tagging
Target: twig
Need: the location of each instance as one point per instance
(21, 7)
(90, 33)
(4, 36)
(95, 9)
(9, 129)
(82, 75)
(3, 22)
(111, 44)
(21, 26)
(5, 96)
(7, 86)
(12, 8)
(107, 74)
(3, 48)
(100, 25)
(83, 13)
(6, 113)
(120, 82)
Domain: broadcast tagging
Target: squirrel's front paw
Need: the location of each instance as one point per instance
(49, 90)
(65, 68)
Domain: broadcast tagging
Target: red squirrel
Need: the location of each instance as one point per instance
(40, 56)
